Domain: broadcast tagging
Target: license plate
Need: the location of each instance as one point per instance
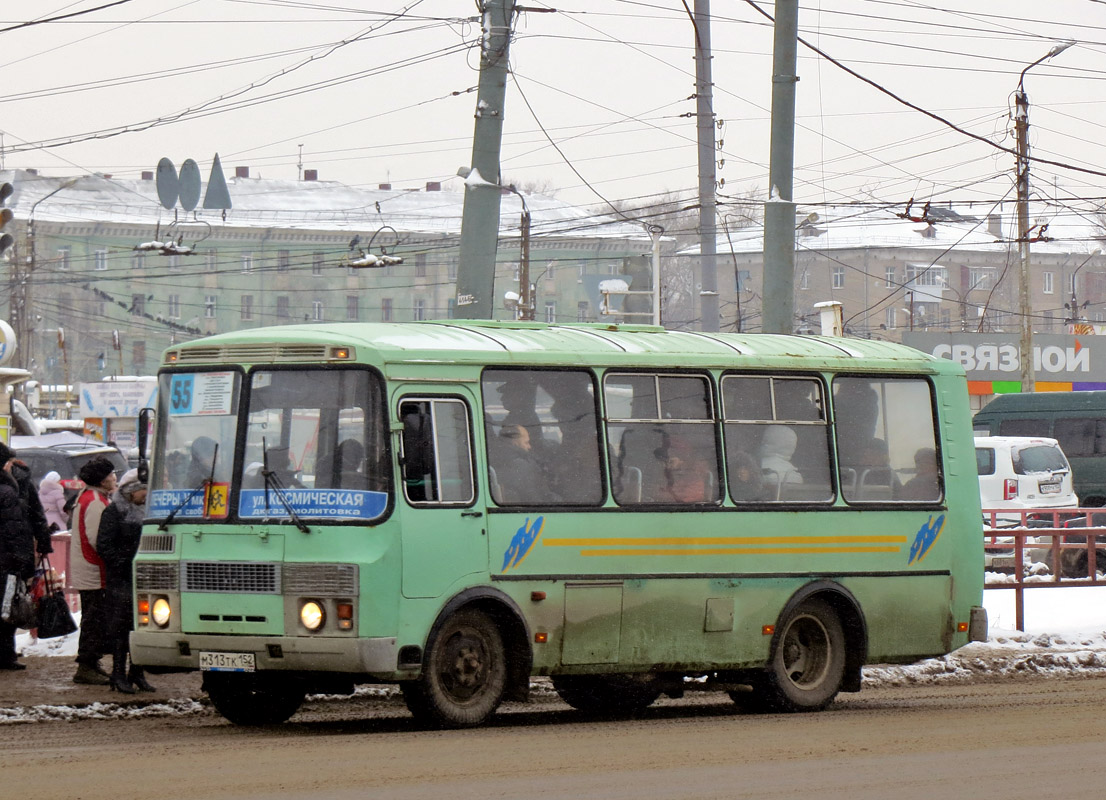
(1050, 488)
(227, 662)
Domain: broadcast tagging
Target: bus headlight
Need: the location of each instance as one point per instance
(161, 612)
(312, 615)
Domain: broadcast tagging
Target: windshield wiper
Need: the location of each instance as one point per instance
(272, 480)
(208, 481)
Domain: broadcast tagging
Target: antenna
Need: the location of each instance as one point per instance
(299, 164)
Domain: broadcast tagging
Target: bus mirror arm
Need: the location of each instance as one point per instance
(143, 434)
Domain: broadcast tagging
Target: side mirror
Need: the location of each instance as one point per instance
(144, 417)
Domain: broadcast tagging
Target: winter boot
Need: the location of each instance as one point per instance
(88, 675)
(137, 677)
(118, 679)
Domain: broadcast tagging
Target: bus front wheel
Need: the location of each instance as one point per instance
(464, 673)
(258, 699)
(808, 664)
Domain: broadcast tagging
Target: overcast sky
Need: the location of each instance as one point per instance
(610, 82)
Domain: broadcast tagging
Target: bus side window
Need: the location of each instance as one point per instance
(436, 457)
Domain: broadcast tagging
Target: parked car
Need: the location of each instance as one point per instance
(64, 453)
(1020, 473)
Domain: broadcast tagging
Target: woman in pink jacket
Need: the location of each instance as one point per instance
(52, 496)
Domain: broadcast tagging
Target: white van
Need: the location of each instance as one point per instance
(1019, 473)
(1023, 472)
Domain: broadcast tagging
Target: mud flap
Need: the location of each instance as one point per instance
(977, 624)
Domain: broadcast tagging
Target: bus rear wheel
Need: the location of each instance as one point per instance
(607, 694)
(808, 665)
(259, 699)
(464, 674)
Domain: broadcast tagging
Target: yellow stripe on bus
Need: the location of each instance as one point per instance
(719, 551)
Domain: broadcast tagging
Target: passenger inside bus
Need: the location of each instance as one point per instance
(776, 449)
(688, 473)
(519, 475)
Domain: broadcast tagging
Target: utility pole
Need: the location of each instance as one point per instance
(704, 116)
(779, 211)
(525, 288)
(480, 218)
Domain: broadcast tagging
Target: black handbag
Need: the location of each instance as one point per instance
(52, 617)
(16, 606)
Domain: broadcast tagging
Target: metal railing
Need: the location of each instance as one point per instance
(1069, 542)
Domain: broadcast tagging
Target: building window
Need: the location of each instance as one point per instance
(173, 311)
(420, 265)
(804, 279)
(889, 282)
(451, 308)
(317, 263)
(138, 304)
(353, 308)
(419, 310)
(247, 262)
(386, 309)
(247, 306)
(63, 257)
(838, 277)
(174, 263)
(926, 275)
(451, 269)
(138, 261)
(283, 308)
(209, 306)
(582, 311)
(317, 310)
(1047, 278)
(138, 357)
(550, 310)
(1071, 280)
(100, 260)
(980, 279)
(211, 260)
(284, 260)
(890, 318)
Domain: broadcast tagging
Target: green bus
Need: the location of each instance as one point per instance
(1077, 420)
(457, 506)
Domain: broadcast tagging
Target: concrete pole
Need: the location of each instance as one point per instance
(779, 211)
(1025, 308)
(704, 115)
(480, 218)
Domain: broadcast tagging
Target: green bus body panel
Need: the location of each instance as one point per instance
(622, 589)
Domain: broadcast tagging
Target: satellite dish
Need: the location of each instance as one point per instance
(189, 184)
(168, 186)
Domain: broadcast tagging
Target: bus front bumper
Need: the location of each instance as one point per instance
(377, 656)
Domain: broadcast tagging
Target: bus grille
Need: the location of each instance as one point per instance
(156, 576)
(253, 353)
(321, 580)
(231, 577)
(157, 543)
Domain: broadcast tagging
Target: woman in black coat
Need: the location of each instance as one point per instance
(117, 544)
(22, 527)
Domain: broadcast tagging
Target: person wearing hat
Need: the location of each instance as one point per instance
(87, 568)
(22, 531)
(117, 544)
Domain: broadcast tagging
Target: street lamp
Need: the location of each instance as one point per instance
(1073, 307)
(1021, 129)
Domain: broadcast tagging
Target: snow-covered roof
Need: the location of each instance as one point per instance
(297, 205)
(848, 228)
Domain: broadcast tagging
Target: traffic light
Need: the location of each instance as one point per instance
(6, 239)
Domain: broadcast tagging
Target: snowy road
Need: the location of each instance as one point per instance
(1023, 737)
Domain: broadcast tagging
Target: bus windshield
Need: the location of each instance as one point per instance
(200, 424)
(319, 436)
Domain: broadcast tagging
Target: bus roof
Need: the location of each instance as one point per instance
(531, 343)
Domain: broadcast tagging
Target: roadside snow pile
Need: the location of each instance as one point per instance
(1006, 654)
(168, 708)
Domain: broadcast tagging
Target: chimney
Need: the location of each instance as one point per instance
(433, 186)
(106, 176)
(994, 225)
(241, 172)
(32, 171)
(385, 187)
(147, 175)
(310, 174)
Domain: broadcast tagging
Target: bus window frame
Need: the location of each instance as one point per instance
(401, 455)
(941, 501)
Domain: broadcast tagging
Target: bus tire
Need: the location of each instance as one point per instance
(607, 695)
(464, 673)
(259, 699)
(808, 662)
